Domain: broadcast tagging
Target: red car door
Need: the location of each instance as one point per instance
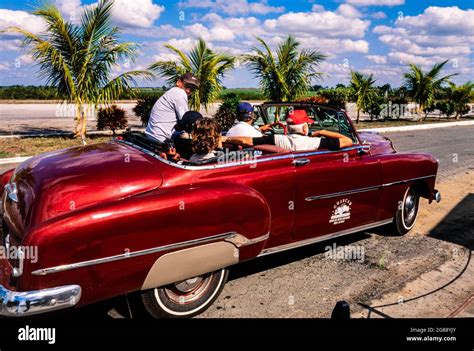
(336, 191)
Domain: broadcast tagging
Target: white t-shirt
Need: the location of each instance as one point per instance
(297, 142)
(243, 129)
(169, 108)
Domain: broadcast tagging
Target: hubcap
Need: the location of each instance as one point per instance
(409, 208)
(188, 290)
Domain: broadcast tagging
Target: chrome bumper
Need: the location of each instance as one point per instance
(25, 303)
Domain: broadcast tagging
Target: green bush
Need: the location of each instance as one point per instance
(143, 107)
(227, 111)
(111, 117)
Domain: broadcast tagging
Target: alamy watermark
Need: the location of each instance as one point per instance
(347, 253)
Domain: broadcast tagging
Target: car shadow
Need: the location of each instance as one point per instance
(457, 227)
(264, 263)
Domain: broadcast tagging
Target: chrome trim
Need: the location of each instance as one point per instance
(301, 243)
(437, 196)
(240, 241)
(228, 236)
(361, 190)
(12, 191)
(342, 193)
(18, 271)
(240, 163)
(408, 180)
(25, 303)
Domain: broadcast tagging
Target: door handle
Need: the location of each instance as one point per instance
(301, 162)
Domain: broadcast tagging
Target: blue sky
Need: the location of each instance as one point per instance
(372, 36)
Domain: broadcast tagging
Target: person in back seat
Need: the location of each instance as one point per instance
(298, 128)
(244, 126)
(206, 138)
(182, 135)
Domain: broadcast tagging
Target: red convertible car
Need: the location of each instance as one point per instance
(90, 223)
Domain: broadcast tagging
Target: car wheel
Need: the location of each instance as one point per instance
(407, 212)
(187, 298)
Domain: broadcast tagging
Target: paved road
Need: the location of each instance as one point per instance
(454, 146)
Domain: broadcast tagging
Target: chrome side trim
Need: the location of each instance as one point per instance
(342, 193)
(232, 164)
(233, 237)
(26, 303)
(408, 180)
(301, 243)
(240, 241)
(361, 190)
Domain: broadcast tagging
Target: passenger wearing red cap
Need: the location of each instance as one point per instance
(298, 122)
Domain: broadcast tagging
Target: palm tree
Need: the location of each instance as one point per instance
(287, 74)
(461, 95)
(206, 64)
(423, 85)
(78, 59)
(363, 89)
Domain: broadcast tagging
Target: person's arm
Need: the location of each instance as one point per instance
(343, 140)
(249, 141)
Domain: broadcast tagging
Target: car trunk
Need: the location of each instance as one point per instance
(59, 182)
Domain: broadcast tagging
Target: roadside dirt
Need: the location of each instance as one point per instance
(305, 283)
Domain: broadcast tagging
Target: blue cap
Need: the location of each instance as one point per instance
(244, 107)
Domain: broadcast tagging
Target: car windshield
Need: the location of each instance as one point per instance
(324, 118)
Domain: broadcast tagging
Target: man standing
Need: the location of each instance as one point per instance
(170, 108)
(244, 126)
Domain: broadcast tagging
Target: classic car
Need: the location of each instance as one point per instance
(117, 218)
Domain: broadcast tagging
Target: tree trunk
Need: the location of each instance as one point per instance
(77, 131)
(358, 113)
(83, 127)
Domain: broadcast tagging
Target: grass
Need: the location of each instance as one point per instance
(18, 147)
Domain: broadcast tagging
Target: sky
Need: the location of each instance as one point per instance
(378, 37)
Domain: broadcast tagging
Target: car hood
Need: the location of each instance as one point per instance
(64, 181)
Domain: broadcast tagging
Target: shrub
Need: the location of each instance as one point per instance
(227, 111)
(111, 117)
(143, 107)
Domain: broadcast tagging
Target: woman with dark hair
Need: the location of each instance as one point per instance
(206, 137)
(182, 135)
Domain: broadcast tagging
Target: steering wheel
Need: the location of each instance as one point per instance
(278, 124)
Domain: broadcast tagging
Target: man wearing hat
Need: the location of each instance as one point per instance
(297, 122)
(170, 108)
(245, 120)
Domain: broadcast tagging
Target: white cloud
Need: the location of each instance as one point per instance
(378, 15)
(317, 8)
(376, 2)
(69, 8)
(216, 33)
(347, 10)
(437, 34)
(10, 18)
(235, 7)
(10, 45)
(379, 59)
(136, 13)
(441, 20)
(324, 24)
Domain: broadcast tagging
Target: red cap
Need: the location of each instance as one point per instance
(298, 117)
